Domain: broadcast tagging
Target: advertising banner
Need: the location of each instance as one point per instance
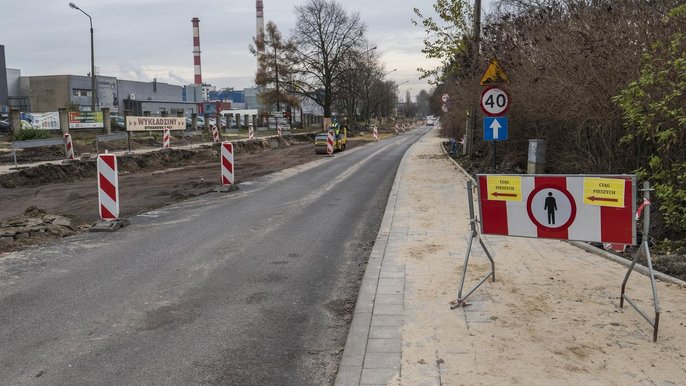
(45, 121)
(78, 120)
(155, 123)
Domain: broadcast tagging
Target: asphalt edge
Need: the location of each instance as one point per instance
(591, 249)
(352, 362)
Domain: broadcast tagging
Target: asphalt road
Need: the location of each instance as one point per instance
(251, 287)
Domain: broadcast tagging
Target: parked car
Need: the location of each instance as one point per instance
(200, 121)
(117, 122)
(4, 126)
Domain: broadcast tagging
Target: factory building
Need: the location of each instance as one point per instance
(53, 92)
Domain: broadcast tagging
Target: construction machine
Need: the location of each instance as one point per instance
(339, 141)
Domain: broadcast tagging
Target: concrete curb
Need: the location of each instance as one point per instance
(589, 248)
(350, 368)
(620, 260)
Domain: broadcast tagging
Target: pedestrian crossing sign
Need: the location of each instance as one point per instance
(494, 75)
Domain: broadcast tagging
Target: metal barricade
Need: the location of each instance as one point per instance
(34, 143)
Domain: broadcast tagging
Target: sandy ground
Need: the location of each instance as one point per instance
(552, 316)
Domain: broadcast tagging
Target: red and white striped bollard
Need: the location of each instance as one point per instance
(166, 139)
(108, 187)
(278, 130)
(251, 132)
(215, 134)
(375, 133)
(329, 143)
(68, 146)
(227, 163)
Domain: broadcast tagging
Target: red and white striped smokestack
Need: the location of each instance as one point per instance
(259, 37)
(196, 50)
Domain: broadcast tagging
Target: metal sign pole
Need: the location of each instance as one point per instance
(494, 157)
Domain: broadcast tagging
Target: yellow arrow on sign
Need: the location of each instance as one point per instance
(494, 75)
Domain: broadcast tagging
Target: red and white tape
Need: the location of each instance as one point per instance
(166, 139)
(108, 187)
(68, 146)
(227, 163)
(251, 132)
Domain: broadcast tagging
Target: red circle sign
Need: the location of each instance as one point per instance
(551, 208)
(494, 101)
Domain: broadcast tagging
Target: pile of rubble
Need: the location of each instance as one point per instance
(35, 223)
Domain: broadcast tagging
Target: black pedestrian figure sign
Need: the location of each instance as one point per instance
(551, 207)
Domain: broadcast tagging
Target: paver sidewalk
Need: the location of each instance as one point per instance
(552, 316)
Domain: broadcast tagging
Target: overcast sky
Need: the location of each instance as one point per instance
(146, 39)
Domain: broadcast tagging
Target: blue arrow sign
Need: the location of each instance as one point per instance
(495, 128)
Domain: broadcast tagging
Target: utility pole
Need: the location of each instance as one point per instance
(471, 115)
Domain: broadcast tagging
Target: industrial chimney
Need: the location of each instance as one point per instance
(196, 50)
(259, 37)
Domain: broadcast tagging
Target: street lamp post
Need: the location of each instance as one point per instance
(393, 70)
(369, 50)
(93, 90)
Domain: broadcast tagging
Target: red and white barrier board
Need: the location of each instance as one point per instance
(68, 146)
(278, 130)
(375, 133)
(251, 132)
(215, 134)
(597, 208)
(227, 163)
(108, 187)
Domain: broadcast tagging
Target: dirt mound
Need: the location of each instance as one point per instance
(152, 161)
(81, 170)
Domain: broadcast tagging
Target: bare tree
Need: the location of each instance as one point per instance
(323, 36)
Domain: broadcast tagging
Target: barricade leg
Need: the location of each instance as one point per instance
(645, 250)
(474, 234)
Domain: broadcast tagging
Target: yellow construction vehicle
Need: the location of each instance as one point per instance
(339, 140)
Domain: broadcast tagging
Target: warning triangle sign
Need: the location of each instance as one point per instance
(494, 75)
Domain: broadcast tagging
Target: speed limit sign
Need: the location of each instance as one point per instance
(494, 101)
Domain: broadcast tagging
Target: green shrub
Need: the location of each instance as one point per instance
(27, 134)
(654, 112)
